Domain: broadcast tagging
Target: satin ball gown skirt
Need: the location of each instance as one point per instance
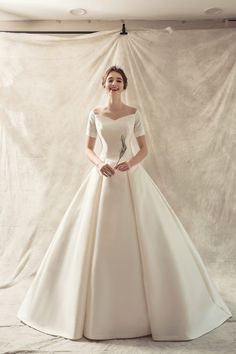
(121, 265)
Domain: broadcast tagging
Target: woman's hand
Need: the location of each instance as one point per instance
(106, 169)
(123, 166)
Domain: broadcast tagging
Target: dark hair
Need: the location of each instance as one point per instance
(118, 70)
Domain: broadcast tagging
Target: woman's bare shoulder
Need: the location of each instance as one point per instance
(132, 110)
(97, 110)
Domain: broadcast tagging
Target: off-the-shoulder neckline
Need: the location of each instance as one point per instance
(127, 115)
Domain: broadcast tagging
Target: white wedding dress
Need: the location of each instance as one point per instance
(121, 264)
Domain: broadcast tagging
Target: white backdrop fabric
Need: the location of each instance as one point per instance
(183, 83)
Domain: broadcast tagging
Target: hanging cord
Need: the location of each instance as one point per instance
(123, 31)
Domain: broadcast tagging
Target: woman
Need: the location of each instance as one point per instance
(115, 82)
(121, 264)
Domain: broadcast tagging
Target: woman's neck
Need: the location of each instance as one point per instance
(115, 104)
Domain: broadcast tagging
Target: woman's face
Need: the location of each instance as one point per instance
(114, 83)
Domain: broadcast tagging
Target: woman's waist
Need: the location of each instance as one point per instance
(114, 158)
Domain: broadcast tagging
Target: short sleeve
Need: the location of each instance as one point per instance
(138, 125)
(91, 129)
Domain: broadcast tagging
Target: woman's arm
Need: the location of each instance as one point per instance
(90, 153)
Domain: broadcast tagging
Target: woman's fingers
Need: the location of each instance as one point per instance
(123, 166)
(107, 170)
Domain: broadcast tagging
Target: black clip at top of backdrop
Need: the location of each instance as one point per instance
(123, 31)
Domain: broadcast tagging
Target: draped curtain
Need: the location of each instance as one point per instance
(183, 83)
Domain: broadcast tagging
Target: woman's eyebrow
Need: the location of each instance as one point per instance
(118, 78)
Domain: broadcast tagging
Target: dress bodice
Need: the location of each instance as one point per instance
(113, 133)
